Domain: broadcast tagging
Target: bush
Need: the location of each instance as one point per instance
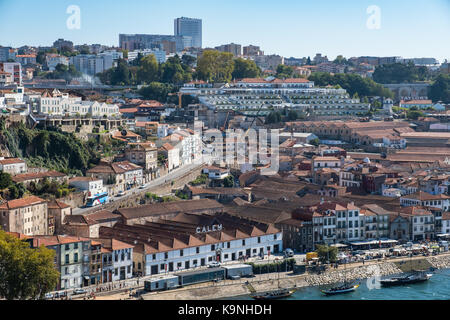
(200, 180)
(282, 266)
(182, 195)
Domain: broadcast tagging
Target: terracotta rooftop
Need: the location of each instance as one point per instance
(56, 204)
(167, 208)
(38, 175)
(11, 161)
(55, 240)
(113, 244)
(21, 203)
(182, 232)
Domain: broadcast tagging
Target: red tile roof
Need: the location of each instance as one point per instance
(11, 161)
(21, 203)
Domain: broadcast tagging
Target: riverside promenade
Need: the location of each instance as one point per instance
(265, 282)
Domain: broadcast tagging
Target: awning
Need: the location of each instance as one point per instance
(86, 278)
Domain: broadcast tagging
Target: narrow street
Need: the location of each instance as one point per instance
(177, 173)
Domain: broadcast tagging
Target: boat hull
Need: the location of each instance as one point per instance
(404, 281)
(273, 296)
(335, 292)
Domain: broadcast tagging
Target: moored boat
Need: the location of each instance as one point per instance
(275, 294)
(415, 277)
(341, 289)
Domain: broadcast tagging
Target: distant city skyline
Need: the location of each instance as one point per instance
(289, 28)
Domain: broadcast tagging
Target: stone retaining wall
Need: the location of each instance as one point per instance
(362, 272)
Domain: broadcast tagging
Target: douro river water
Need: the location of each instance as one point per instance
(437, 288)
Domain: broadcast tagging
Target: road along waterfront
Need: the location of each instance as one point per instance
(307, 284)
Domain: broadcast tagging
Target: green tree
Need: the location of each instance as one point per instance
(315, 142)
(228, 182)
(25, 273)
(156, 91)
(284, 72)
(174, 72)
(340, 60)
(414, 114)
(121, 74)
(273, 117)
(244, 68)
(327, 253)
(353, 83)
(440, 89)
(400, 73)
(215, 66)
(149, 68)
(5, 180)
(188, 60)
(293, 115)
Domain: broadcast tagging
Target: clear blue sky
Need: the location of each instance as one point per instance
(409, 28)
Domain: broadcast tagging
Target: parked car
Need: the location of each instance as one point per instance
(60, 294)
(235, 277)
(143, 186)
(49, 296)
(288, 253)
(121, 194)
(79, 291)
(214, 264)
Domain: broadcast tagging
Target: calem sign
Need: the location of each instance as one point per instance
(212, 228)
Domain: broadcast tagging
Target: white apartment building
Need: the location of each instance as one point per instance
(13, 166)
(446, 223)
(117, 260)
(349, 221)
(425, 199)
(57, 103)
(92, 64)
(13, 68)
(422, 223)
(190, 145)
(160, 55)
(325, 162)
(52, 60)
(251, 95)
(91, 185)
(28, 216)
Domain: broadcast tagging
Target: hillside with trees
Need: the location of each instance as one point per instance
(50, 149)
(400, 73)
(353, 83)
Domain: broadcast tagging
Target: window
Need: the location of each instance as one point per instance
(259, 239)
(116, 271)
(75, 257)
(197, 250)
(166, 255)
(154, 257)
(243, 242)
(213, 247)
(116, 257)
(75, 246)
(129, 269)
(67, 258)
(67, 247)
(181, 253)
